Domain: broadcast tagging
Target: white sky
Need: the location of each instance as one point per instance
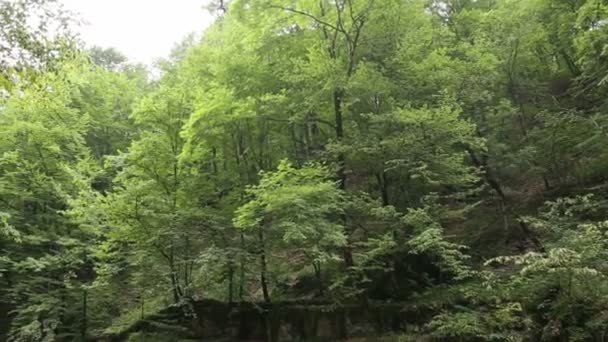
(143, 30)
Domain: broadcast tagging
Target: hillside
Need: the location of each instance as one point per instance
(412, 169)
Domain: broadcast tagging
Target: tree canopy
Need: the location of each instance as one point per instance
(451, 155)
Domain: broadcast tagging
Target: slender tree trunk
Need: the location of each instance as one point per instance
(307, 140)
(341, 172)
(174, 288)
(263, 264)
(230, 282)
(214, 163)
(186, 273)
(84, 315)
(317, 267)
(174, 280)
(142, 304)
(339, 122)
(383, 184)
(242, 270)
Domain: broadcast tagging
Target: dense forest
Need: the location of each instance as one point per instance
(450, 156)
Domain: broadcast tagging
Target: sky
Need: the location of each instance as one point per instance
(143, 30)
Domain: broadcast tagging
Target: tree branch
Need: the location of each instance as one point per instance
(308, 15)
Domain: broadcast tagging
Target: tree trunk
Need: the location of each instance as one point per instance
(230, 282)
(263, 264)
(84, 315)
(242, 269)
(174, 288)
(341, 173)
(174, 280)
(383, 185)
(317, 267)
(142, 304)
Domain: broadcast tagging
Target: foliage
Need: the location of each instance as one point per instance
(346, 150)
(563, 289)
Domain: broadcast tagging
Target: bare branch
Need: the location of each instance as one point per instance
(308, 15)
(318, 120)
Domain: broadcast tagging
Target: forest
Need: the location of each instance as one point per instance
(446, 157)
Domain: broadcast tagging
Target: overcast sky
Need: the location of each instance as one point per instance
(143, 30)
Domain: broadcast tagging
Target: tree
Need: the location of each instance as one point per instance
(563, 290)
(295, 215)
(47, 260)
(32, 35)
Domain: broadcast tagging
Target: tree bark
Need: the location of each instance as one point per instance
(84, 315)
(263, 264)
(230, 282)
(341, 172)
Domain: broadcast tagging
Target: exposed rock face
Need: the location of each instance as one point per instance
(280, 321)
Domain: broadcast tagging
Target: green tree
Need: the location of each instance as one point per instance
(294, 214)
(47, 260)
